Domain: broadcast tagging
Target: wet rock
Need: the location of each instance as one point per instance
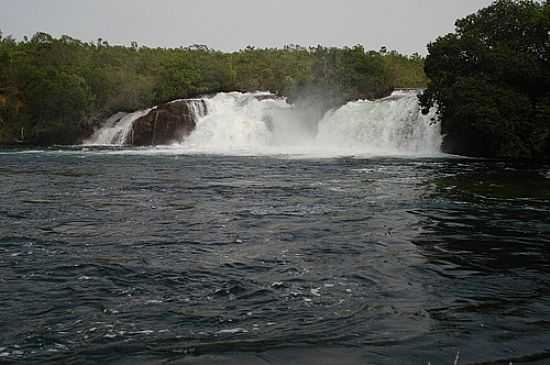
(167, 123)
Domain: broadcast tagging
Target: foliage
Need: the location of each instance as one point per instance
(56, 90)
(491, 81)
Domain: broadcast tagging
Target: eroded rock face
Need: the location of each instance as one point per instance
(167, 123)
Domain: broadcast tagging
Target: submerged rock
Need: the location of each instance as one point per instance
(167, 123)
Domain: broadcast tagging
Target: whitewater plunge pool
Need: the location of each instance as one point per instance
(141, 258)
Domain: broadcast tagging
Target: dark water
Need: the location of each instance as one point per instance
(146, 259)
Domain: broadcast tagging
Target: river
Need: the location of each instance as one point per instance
(140, 256)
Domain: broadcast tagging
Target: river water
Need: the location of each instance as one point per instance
(138, 257)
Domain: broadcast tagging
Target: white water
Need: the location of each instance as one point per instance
(238, 122)
(116, 129)
(259, 124)
(394, 125)
(241, 124)
(197, 107)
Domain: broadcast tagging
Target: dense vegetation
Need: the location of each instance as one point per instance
(491, 81)
(55, 91)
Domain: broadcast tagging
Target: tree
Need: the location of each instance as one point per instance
(56, 103)
(60, 89)
(491, 81)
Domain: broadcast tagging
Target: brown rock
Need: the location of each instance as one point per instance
(167, 123)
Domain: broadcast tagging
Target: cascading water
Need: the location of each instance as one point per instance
(116, 129)
(240, 123)
(197, 107)
(261, 123)
(394, 125)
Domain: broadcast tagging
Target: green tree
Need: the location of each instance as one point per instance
(491, 81)
(56, 103)
(58, 90)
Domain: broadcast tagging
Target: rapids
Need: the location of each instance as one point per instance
(262, 124)
(116, 129)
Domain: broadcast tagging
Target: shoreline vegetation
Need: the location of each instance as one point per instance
(490, 80)
(58, 90)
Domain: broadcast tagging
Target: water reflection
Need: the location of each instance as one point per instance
(486, 236)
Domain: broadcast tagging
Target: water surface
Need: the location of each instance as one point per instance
(139, 258)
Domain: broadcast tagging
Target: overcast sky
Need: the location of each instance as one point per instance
(405, 25)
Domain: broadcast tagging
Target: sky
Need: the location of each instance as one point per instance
(404, 25)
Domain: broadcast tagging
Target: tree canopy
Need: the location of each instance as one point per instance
(491, 81)
(58, 89)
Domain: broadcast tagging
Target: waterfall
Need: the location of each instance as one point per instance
(116, 129)
(238, 120)
(394, 125)
(119, 128)
(262, 123)
(252, 123)
(197, 107)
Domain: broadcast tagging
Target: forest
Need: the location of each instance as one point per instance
(491, 82)
(57, 90)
